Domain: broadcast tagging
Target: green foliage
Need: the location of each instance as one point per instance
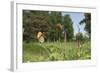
(33, 22)
(36, 52)
(87, 21)
(79, 36)
(45, 21)
(54, 19)
(68, 27)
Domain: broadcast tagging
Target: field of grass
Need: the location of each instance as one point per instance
(55, 51)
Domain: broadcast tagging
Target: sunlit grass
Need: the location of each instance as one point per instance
(54, 51)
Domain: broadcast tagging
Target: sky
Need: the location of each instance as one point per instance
(76, 18)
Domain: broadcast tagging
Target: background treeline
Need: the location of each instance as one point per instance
(56, 27)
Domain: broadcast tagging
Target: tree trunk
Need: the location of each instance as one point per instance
(65, 36)
(58, 36)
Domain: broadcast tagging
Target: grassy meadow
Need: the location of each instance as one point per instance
(54, 51)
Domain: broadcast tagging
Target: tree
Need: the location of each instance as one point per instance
(55, 18)
(33, 22)
(79, 36)
(68, 28)
(87, 21)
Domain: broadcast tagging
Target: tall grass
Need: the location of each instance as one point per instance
(54, 51)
